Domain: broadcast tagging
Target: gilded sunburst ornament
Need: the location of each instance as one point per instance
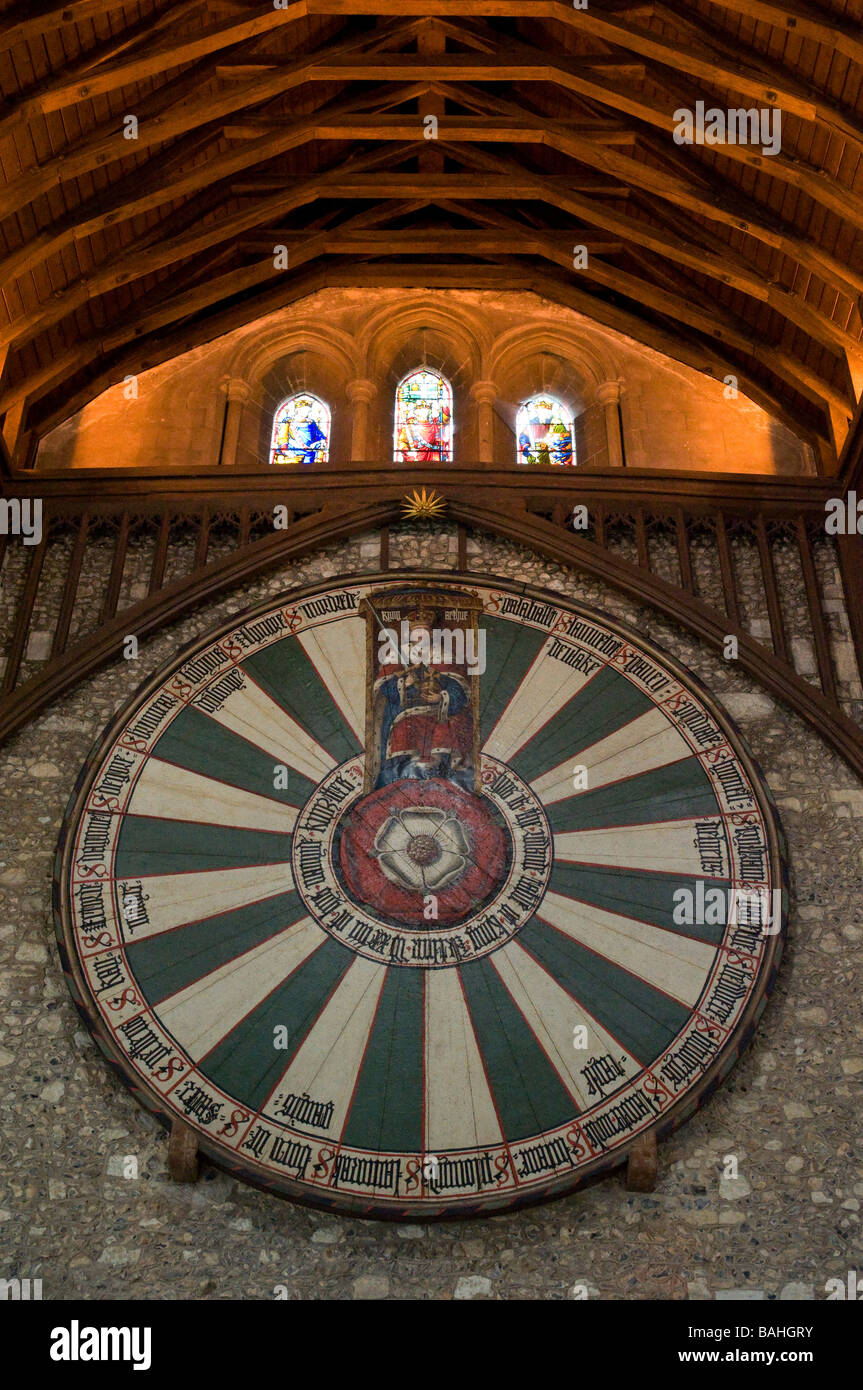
(423, 506)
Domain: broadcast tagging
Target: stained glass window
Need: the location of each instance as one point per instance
(543, 427)
(301, 431)
(423, 418)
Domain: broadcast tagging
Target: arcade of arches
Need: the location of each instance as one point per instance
(215, 406)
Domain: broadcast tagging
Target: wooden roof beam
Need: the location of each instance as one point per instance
(770, 87)
(690, 309)
(342, 63)
(154, 308)
(702, 193)
(525, 129)
(447, 241)
(807, 21)
(533, 65)
(509, 179)
(266, 182)
(821, 187)
(29, 20)
(54, 93)
(155, 251)
(106, 144)
(725, 265)
(157, 183)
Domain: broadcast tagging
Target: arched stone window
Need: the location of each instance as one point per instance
(423, 418)
(543, 428)
(301, 430)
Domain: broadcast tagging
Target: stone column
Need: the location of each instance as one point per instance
(485, 395)
(361, 393)
(608, 396)
(237, 392)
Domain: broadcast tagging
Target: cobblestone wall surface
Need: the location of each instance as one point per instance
(786, 1224)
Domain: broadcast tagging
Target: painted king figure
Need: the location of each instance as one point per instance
(425, 720)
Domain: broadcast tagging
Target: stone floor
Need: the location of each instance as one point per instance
(85, 1200)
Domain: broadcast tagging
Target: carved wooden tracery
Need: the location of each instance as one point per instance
(697, 552)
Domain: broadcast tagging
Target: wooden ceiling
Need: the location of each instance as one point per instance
(305, 126)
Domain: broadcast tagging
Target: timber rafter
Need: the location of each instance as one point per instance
(554, 129)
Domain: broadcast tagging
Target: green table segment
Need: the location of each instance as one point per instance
(421, 897)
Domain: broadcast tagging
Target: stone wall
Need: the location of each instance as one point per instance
(174, 416)
(790, 1220)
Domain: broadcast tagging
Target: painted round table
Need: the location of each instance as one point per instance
(421, 896)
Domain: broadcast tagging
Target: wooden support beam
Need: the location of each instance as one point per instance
(84, 77)
(70, 588)
(183, 1161)
(29, 20)
(188, 110)
(131, 265)
(641, 545)
(55, 93)
(850, 466)
(767, 83)
(431, 41)
(162, 182)
(696, 187)
(683, 554)
(160, 554)
(816, 613)
(15, 414)
(461, 548)
(118, 563)
(517, 240)
(23, 615)
(824, 26)
(203, 542)
(726, 570)
(341, 63)
(728, 268)
(771, 591)
(850, 549)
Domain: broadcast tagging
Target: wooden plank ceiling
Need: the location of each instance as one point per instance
(305, 126)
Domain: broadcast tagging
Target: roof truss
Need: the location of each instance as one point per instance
(554, 129)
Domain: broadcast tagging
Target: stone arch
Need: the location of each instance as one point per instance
(289, 358)
(424, 331)
(528, 360)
